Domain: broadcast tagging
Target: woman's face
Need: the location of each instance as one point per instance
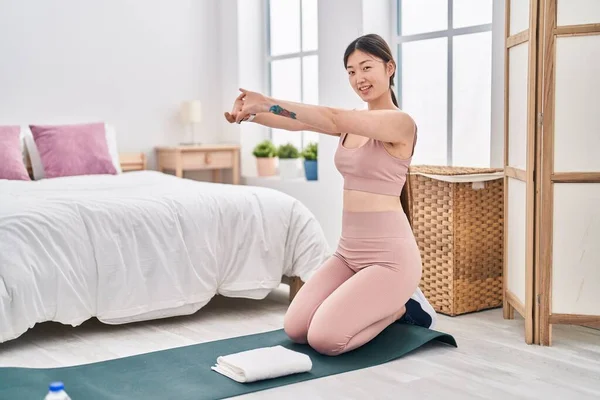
(369, 76)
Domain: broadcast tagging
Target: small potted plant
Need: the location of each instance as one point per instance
(289, 156)
(310, 155)
(265, 153)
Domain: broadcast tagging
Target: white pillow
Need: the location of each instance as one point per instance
(24, 132)
(111, 141)
(36, 161)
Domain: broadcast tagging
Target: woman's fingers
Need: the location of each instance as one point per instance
(242, 116)
(237, 105)
(230, 118)
(236, 114)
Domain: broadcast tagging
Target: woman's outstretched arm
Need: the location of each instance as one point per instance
(392, 126)
(271, 120)
(275, 121)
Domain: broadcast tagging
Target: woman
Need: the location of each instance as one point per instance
(367, 284)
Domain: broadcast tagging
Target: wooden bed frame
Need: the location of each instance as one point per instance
(138, 162)
(133, 161)
(129, 162)
(295, 284)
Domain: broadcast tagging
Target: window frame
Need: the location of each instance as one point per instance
(450, 33)
(300, 55)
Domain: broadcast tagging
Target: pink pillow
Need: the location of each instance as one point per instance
(11, 156)
(69, 150)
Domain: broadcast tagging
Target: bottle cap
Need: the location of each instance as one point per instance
(56, 386)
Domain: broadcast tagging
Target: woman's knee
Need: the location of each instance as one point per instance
(295, 327)
(325, 340)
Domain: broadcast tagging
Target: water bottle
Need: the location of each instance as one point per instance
(57, 392)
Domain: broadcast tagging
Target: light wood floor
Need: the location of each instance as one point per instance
(491, 362)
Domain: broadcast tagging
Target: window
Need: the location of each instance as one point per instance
(444, 78)
(293, 60)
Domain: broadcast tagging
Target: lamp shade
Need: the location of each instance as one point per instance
(191, 111)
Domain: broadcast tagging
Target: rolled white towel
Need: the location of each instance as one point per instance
(262, 363)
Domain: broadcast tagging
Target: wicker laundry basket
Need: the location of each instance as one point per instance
(457, 216)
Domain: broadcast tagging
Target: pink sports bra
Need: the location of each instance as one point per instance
(370, 168)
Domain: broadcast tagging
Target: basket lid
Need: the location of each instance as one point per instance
(457, 174)
(447, 170)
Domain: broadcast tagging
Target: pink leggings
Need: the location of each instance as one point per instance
(362, 288)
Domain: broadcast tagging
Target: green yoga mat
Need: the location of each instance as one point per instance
(184, 373)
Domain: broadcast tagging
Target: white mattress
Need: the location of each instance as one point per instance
(143, 245)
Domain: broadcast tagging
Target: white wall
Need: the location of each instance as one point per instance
(242, 41)
(228, 33)
(377, 18)
(127, 62)
(253, 74)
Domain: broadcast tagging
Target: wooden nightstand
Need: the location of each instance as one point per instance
(198, 158)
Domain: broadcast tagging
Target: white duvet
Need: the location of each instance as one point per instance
(143, 245)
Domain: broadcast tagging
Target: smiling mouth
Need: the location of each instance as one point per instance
(365, 88)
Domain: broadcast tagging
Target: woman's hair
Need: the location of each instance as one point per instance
(406, 199)
(375, 45)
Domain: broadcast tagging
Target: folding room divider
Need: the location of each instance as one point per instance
(552, 164)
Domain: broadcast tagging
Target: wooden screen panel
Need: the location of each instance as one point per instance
(577, 12)
(516, 244)
(518, 57)
(518, 16)
(519, 159)
(576, 250)
(577, 104)
(568, 276)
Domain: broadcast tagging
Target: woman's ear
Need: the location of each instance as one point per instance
(391, 67)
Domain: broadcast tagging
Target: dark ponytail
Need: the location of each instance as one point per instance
(406, 193)
(392, 91)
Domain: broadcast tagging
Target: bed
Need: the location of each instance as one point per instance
(142, 245)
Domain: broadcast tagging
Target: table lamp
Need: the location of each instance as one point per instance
(191, 114)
